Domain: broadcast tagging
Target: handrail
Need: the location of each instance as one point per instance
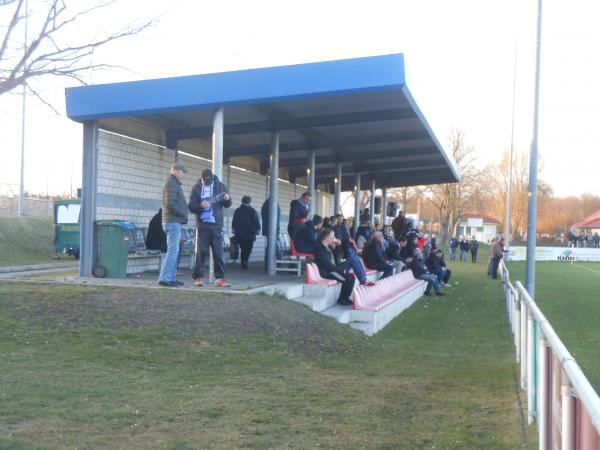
(539, 349)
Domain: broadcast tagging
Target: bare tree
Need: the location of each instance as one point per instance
(405, 195)
(452, 199)
(53, 48)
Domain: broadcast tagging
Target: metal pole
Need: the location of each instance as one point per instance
(533, 160)
(542, 415)
(510, 162)
(531, 364)
(523, 353)
(217, 169)
(87, 241)
(356, 205)
(372, 206)
(24, 100)
(312, 159)
(273, 197)
(383, 206)
(338, 190)
(568, 414)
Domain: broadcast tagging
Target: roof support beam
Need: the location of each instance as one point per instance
(356, 204)
(318, 143)
(338, 190)
(312, 164)
(87, 255)
(295, 123)
(273, 200)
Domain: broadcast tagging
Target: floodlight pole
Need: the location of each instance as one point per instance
(510, 162)
(533, 160)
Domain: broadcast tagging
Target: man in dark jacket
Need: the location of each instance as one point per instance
(420, 272)
(464, 249)
(174, 214)
(453, 244)
(296, 206)
(246, 226)
(399, 224)
(331, 269)
(374, 255)
(437, 266)
(474, 249)
(208, 198)
(264, 212)
(306, 238)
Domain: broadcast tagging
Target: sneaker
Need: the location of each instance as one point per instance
(169, 283)
(179, 283)
(440, 294)
(427, 294)
(367, 283)
(164, 283)
(344, 302)
(198, 282)
(446, 285)
(222, 282)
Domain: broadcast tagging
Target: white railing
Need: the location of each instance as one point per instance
(560, 399)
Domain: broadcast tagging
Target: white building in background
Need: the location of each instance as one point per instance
(483, 227)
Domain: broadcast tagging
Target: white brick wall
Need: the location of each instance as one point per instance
(131, 175)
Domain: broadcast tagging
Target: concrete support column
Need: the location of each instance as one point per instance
(273, 199)
(337, 207)
(372, 206)
(312, 162)
(217, 169)
(356, 205)
(383, 206)
(87, 243)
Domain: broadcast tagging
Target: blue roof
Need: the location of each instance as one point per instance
(356, 111)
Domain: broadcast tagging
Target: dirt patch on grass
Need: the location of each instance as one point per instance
(180, 313)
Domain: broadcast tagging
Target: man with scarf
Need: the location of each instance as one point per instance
(208, 198)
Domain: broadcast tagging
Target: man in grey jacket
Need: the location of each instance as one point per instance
(175, 213)
(207, 200)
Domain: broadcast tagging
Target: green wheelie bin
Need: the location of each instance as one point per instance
(112, 237)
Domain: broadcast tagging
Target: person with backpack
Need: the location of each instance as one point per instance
(246, 226)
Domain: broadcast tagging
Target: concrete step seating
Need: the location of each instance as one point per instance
(374, 306)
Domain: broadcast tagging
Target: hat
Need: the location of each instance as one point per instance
(178, 166)
(206, 173)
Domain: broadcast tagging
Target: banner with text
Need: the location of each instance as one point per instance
(556, 254)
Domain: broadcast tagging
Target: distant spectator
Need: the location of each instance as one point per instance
(296, 207)
(264, 212)
(453, 244)
(474, 244)
(433, 242)
(374, 255)
(497, 254)
(246, 226)
(464, 249)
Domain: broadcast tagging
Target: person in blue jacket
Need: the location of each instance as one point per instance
(246, 226)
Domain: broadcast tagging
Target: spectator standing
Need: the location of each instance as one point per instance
(474, 248)
(399, 225)
(453, 244)
(246, 226)
(497, 254)
(174, 214)
(374, 255)
(265, 215)
(464, 249)
(208, 198)
(296, 207)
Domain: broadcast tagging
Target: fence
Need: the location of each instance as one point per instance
(560, 399)
(33, 206)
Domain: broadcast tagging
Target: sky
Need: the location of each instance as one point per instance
(459, 55)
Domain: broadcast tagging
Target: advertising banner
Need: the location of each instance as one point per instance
(556, 254)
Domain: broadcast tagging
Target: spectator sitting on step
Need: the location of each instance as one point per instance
(306, 238)
(299, 223)
(374, 255)
(437, 266)
(346, 249)
(327, 222)
(363, 232)
(334, 269)
(393, 250)
(419, 270)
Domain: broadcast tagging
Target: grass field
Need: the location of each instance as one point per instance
(87, 367)
(569, 296)
(25, 240)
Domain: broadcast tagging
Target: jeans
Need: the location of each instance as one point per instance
(463, 255)
(210, 237)
(354, 263)
(347, 285)
(452, 254)
(387, 269)
(495, 264)
(443, 274)
(168, 270)
(474, 257)
(432, 281)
